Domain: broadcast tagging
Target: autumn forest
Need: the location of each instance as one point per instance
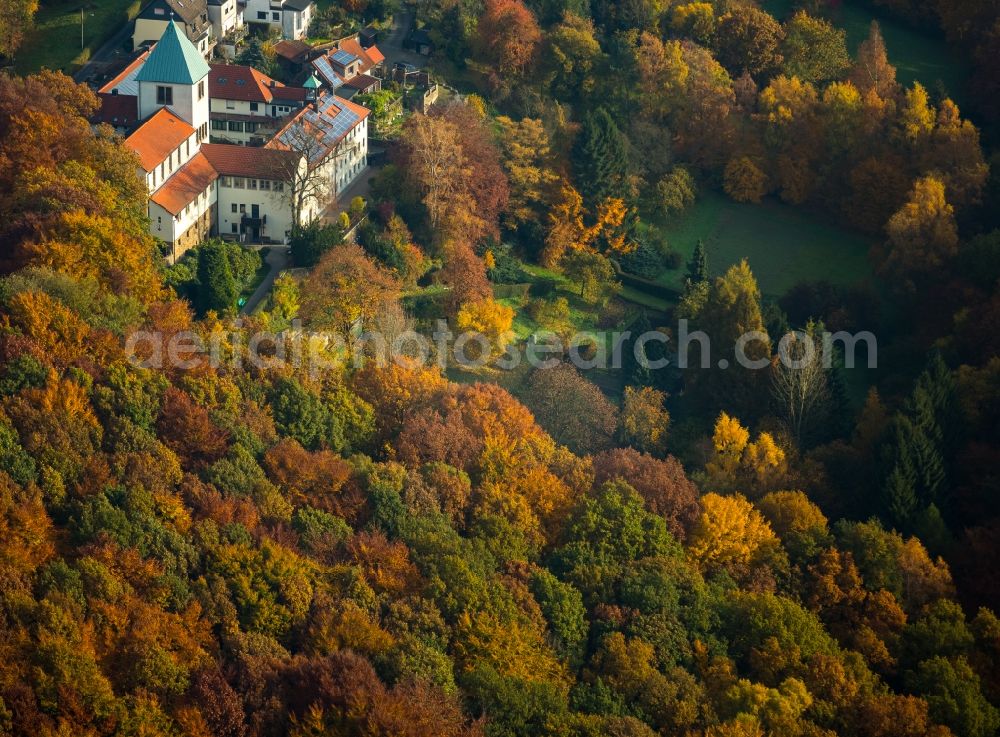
(366, 545)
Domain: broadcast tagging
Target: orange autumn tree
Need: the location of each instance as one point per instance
(567, 230)
(70, 195)
(507, 36)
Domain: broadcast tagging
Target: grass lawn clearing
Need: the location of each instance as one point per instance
(55, 40)
(784, 245)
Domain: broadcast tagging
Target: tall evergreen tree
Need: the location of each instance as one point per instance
(913, 471)
(217, 287)
(936, 388)
(698, 265)
(600, 159)
(637, 370)
(899, 488)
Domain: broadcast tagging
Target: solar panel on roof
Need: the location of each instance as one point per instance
(332, 122)
(322, 65)
(343, 57)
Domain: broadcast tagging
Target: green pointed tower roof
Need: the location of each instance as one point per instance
(174, 60)
(312, 83)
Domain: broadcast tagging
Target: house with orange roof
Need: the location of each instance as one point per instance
(247, 107)
(332, 134)
(350, 69)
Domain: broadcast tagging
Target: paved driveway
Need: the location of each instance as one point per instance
(391, 45)
(277, 260)
(110, 53)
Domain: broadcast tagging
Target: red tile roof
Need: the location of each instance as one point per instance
(235, 82)
(248, 161)
(185, 184)
(362, 82)
(162, 132)
(121, 111)
(374, 54)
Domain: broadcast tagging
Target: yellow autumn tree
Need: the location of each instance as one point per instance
(608, 222)
(513, 646)
(744, 181)
(923, 235)
(729, 440)
(489, 319)
(644, 420)
(763, 460)
(567, 230)
(738, 464)
(730, 535)
(916, 117)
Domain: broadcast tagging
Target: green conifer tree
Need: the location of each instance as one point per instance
(698, 265)
(600, 159)
(217, 287)
(899, 487)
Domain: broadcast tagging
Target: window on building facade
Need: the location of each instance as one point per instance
(254, 106)
(251, 184)
(218, 125)
(239, 183)
(279, 186)
(201, 90)
(235, 228)
(164, 95)
(236, 126)
(275, 16)
(234, 207)
(261, 15)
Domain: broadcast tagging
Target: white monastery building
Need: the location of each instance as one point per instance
(227, 151)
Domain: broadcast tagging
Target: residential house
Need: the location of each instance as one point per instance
(289, 17)
(332, 133)
(351, 69)
(190, 15)
(228, 28)
(197, 188)
(247, 106)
